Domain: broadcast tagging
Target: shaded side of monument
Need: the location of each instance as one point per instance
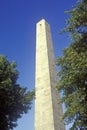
(48, 113)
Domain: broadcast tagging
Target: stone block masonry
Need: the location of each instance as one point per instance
(48, 112)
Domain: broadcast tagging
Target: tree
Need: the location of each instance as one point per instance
(73, 68)
(14, 99)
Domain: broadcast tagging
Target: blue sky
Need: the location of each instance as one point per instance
(18, 20)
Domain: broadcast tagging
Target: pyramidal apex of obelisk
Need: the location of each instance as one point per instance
(48, 112)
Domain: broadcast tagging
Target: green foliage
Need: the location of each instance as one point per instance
(14, 99)
(73, 68)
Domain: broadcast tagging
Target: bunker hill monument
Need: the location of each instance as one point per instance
(48, 112)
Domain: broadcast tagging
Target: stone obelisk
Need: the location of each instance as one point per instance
(47, 110)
